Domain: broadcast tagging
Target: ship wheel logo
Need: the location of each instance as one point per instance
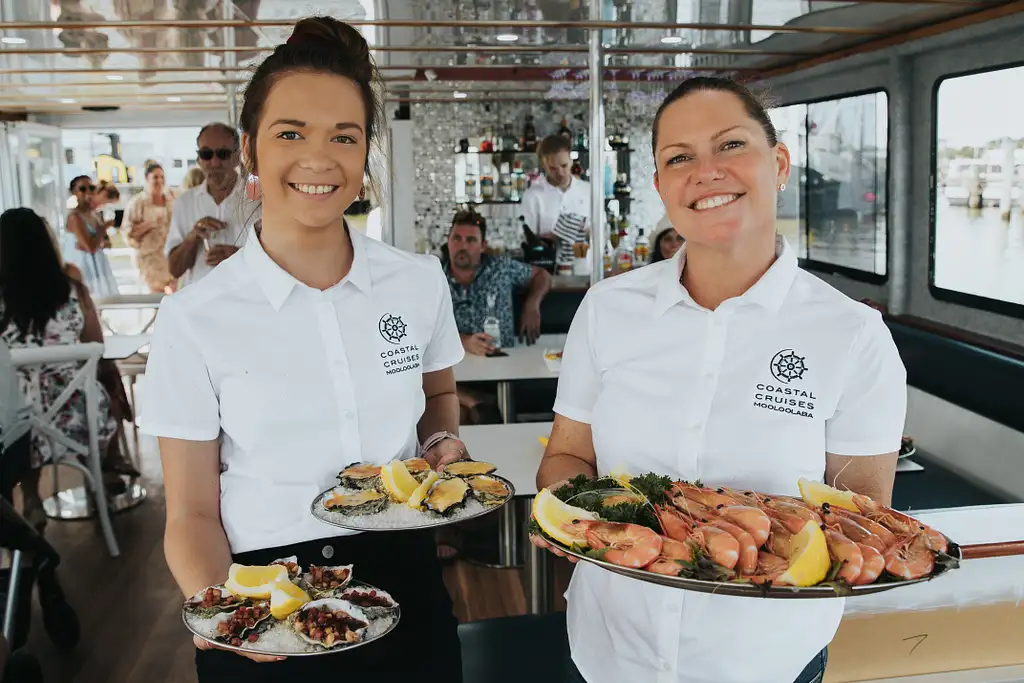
(392, 328)
(787, 366)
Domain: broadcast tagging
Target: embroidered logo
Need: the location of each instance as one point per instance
(786, 366)
(392, 328)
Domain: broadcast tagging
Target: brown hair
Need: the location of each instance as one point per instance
(553, 144)
(108, 190)
(471, 217)
(752, 103)
(317, 45)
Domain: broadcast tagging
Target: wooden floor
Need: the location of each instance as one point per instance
(129, 607)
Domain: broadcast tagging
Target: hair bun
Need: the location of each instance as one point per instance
(328, 32)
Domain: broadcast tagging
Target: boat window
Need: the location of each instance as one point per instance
(977, 237)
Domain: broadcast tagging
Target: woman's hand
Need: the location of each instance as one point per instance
(140, 230)
(207, 645)
(446, 452)
(542, 542)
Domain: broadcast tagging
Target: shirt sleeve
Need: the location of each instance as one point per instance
(871, 411)
(178, 400)
(579, 380)
(177, 231)
(531, 210)
(445, 346)
(518, 272)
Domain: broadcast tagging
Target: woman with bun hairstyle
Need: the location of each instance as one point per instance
(311, 348)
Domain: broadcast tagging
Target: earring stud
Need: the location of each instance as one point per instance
(782, 187)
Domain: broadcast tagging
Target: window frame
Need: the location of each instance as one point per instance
(833, 268)
(974, 301)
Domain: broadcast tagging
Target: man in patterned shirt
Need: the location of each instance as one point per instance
(472, 277)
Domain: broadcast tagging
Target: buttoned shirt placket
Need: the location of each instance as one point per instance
(325, 305)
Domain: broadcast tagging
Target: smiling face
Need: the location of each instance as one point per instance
(716, 172)
(220, 173)
(156, 181)
(311, 148)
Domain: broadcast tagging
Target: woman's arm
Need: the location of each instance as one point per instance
(869, 475)
(84, 240)
(440, 414)
(92, 331)
(195, 545)
(570, 452)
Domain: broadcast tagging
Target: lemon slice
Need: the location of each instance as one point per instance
(254, 582)
(553, 515)
(809, 562)
(285, 598)
(817, 494)
(620, 475)
(397, 480)
(416, 497)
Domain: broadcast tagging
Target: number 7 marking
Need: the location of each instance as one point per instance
(923, 637)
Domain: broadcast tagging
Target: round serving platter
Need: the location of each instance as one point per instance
(404, 518)
(749, 590)
(379, 626)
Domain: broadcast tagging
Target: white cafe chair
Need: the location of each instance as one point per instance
(85, 379)
(128, 302)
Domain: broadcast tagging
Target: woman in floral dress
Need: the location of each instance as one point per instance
(148, 216)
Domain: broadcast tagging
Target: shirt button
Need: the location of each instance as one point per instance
(349, 415)
(665, 666)
(327, 552)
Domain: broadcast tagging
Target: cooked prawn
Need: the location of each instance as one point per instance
(629, 545)
(874, 565)
(719, 546)
(910, 558)
(887, 537)
(673, 525)
(665, 566)
(672, 549)
(746, 563)
(900, 524)
(852, 530)
(780, 542)
(845, 551)
(792, 516)
(708, 497)
(769, 568)
(753, 519)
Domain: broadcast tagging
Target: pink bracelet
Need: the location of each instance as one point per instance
(437, 438)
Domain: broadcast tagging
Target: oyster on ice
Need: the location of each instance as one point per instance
(291, 564)
(446, 496)
(468, 468)
(488, 490)
(360, 475)
(418, 468)
(244, 624)
(329, 623)
(372, 601)
(213, 600)
(365, 502)
(326, 582)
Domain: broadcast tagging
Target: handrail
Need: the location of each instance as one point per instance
(62, 353)
(980, 551)
(125, 300)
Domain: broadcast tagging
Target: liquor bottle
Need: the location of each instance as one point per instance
(492, 327)
(609, 256)
(509, 142)
(643, 247)
(504, 183)
(621, 189)
(623, 252)
(564, 131)
(518, 181)
(486, 145)
(529, 135)
(576, 169)
(613, 231)
(487, 187)
(581, 139)
(471, 188)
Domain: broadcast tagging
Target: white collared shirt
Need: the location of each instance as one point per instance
(543, 203)
(237, 211)
(298, 382)
(750, 395)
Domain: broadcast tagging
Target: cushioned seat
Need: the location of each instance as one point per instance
(532, 648)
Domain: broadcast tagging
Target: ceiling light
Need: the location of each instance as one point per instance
(672, 40)
(67, 100)
(174, 99)
(506, 37)
(13, 40)
(115, 77)
(459, 95)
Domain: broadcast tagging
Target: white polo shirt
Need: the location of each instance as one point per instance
(296, 382)
(543, 203)
(237, 211)
(750, 395)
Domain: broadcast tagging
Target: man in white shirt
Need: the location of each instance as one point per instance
(557, 192)
(208, 221)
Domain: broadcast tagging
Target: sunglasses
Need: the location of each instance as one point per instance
(222, 153)
(85, 188)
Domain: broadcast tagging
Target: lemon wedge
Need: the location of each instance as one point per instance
(255, 582)
(397, 480)
(416, 497)
(809, 562)
(285, 598)
(543, 441)
(817, 494)
(553, 516)
(620, 475)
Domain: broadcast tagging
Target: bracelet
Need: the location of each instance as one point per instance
(438, 438)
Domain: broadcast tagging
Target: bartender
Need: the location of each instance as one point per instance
(785, 378)
(556, 205)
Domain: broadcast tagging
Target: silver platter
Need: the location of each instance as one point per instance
(754, 591)
(430, 521)
(395, 615)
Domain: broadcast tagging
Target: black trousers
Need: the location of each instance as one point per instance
(814, 672)
(424, 647)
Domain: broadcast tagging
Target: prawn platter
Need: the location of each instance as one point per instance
(407, 494)
(284, 610)
(826, 543)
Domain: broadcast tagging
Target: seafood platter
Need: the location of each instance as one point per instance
(825, 543)
(282, 609)
(408, 494)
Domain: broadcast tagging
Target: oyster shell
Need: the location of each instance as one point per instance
(468, 468)
(344, 624)
(365, 502)
(213, 600)
(446, 496)
(291, 564)
(418, 468)
(244, 624)
(374, 602)
(360, 475)
(324, 582)
(488, 490)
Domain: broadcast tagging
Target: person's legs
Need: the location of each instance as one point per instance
(814, 672)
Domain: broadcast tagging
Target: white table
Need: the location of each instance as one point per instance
(121, 346)
(522, 363)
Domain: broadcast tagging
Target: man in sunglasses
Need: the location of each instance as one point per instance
(209, 220)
